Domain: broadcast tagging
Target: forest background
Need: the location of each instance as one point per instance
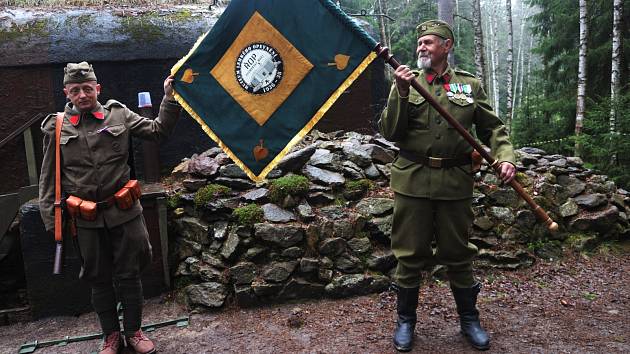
(529, 54)
(556, 71)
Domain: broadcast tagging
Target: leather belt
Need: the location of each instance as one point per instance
(106, 204)
(436, 162)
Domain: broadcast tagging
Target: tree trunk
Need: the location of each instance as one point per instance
(445, 13)
(616, 65)
(510, 59)
(480, 62)
(494, 54)
(382, 26)
(581, 89)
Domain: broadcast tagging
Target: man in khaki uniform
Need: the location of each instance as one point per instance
(432, 178)
(94, 150)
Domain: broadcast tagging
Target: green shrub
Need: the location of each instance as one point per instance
(249, 214)
(209, 192)
(173, 201)
(288, 185)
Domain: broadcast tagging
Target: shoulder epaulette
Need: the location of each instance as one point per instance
(465, 73)
(48, 124)
(113, 103)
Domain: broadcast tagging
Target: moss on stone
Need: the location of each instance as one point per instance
(209, 192)
(359, 185)
(173, 201)
(142, 28)
(249, 214)
(15, 32)
(294, 185)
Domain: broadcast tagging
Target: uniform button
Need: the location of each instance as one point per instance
(438, 136)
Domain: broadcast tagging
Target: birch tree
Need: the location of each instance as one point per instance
(480, 62)
(581, 89)
(508, 113)
(616, 64)
(445, 13)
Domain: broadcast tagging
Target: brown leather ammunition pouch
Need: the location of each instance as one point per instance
(88, 210)
(128, 194)
(72, 205)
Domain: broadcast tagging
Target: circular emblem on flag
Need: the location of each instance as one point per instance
(259, 68)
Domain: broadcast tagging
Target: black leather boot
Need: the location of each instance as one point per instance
(466, 300)
(406, 309)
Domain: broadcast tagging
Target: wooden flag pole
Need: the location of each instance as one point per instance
(383, 52)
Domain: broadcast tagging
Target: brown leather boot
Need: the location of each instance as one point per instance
(140, 343)
(111, 343)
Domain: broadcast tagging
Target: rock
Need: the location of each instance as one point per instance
(203, 166)
(220, 230)
(569, 208)
(210, 294)
(260, 195)
(212, 260)
(560, 162)
(194, 184)
(278, 272)
(385, 143)
(305, 212)
(187, 248)
(274, 213)
(181, 170)
(293, 252)
(348, 263)
(323, 158)
(235, 183)
(332, 246)
(575, 161)
(381, 229)
(232, 171)
(378, 154)
(600, 221)
(484, 223)
(300, 288)
(528, 159)
(320, 198)
(316, 174)
(360, 245)
(243, 273)
(193, 229)
(325, 275)
(372, 172)
(382, 261)
(334, 212)
(504, 215)
(582, 242)
(343, 229)
(294, 161)
(222, 159)
(505, 259)
(279, 235)
(262, 288)
(375, 206)
(352, 170)
(230, 246)
(385, 170)
(308, 265)
(591, 201)
(572, 185)
(357, 155)
(525, 220)
(504, 197)
(357, 284)
(532, 150)
(210, 274)
(253, 253)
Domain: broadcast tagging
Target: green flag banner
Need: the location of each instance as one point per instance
(267, 72)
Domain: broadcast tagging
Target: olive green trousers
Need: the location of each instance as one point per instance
(416, 224)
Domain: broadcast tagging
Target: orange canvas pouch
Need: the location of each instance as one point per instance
(124, 199)
(134, 186)
(73, 205)
(88, 210)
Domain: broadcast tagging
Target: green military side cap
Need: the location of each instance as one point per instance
(75, 73)
(436, 27)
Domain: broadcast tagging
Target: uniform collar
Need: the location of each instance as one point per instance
(74, 116)
(445, 78)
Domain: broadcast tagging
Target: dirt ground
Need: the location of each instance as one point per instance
(578, 304)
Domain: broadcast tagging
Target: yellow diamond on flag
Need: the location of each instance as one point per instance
(260, 69)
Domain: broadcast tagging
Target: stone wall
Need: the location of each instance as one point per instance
(332, 239)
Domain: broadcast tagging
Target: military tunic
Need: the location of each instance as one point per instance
(434, 204)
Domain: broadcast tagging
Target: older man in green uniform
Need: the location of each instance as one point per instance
(432, 179)
(114, 243)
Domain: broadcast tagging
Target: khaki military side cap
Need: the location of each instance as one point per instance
(436, 27)
(76, 73)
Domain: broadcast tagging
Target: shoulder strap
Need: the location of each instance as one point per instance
(57, 205)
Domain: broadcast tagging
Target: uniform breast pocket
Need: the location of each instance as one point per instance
(70, 149)
(113, 142)
(417, 111)
(463, 111)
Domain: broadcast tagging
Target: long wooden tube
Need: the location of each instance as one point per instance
(383, 52)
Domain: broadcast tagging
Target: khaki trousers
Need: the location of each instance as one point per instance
(419, 221)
